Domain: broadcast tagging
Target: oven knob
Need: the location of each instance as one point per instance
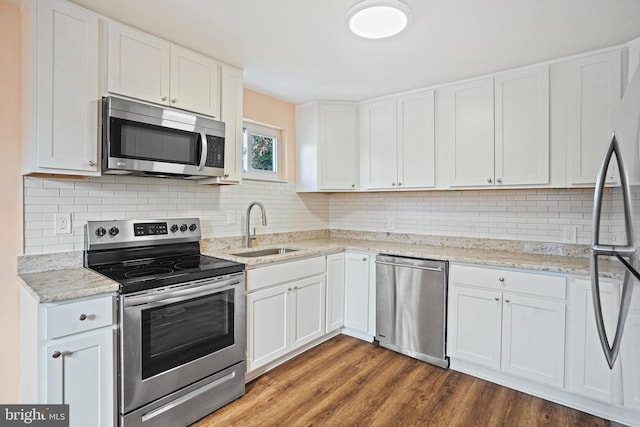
(113, 231)
(174, 228)
(192, 227)
(100, 231)
(183, 227)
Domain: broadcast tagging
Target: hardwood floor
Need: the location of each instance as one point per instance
(348, 382)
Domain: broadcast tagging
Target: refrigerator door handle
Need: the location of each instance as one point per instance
(611, 351)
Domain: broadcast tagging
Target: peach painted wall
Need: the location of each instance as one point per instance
(265, 109)
(11, 204)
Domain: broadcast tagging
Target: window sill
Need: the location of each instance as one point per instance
(266, 179)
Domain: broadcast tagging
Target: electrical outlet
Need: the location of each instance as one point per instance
(391, 224)
(62, 223)
(231, 217)
(570, 234)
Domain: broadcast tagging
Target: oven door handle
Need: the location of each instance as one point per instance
(176, 295)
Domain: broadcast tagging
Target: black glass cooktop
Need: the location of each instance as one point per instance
(140, 274)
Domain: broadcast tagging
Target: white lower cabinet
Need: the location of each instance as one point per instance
(286, 315)
(335, 291)
(360, 299)
(506, 320)
(67, 352)
(630, 355)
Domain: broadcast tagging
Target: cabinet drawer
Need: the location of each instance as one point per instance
(78, 316)
(280, 273)
(508, 280)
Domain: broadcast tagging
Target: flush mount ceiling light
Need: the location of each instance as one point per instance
(378, 19)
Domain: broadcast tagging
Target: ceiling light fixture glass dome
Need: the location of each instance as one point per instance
(378, 19)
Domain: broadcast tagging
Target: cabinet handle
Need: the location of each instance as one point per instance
(499, 180)
(57, 354)
(164, 99)
(489, 180)
(92, 163)
(501, 279)
(507, 300)
(399, 183)
(83, 317)
(174, 100)
(393, 184)
(496, 298)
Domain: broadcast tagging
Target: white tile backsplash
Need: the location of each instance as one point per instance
(533, 215)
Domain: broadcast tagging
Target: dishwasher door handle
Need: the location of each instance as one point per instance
(438, 269)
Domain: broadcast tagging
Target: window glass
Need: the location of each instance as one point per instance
(260, 147)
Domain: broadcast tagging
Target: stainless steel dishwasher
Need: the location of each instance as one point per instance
(411, 307)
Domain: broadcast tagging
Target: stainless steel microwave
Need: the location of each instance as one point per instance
(143, 139)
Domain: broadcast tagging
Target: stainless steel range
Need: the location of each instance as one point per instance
(181, 336)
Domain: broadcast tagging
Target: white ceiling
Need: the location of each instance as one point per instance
(301, 50)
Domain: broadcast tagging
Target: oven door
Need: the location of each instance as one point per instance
(172, 337)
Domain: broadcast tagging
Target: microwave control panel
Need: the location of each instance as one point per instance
(215, 152)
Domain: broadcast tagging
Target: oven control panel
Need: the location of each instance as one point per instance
(128, 233)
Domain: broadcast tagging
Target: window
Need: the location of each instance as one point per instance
(260, 152)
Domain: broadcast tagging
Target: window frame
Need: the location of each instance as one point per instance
(250, 127)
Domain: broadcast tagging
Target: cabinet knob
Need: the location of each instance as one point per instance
(399, 183)
(393, 184)
(56, 354)
(289, 290)
(364, 259)
(501, 279)
(496, 298)
(507, 300)
(83, 317)
(353, 186)
(174, 100)
(164, 99)
(499, 180)
(92, 163)
(226, 175)
(489, 180)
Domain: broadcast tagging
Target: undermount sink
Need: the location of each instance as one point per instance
(265, 252)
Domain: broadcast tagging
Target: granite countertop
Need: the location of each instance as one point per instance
(69, 280)
(490, 257)
(62, 285)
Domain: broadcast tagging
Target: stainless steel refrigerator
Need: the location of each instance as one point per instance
(616, 222)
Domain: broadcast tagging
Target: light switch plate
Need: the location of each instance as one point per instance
(62, 223)
(570, 234)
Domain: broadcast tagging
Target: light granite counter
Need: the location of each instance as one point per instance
(489, 257)
(66, 279)
(62, 285)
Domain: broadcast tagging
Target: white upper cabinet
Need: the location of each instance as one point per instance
(497, 129)
(468, 122)
(60, 89)
(327, 146)
(522, 127)
(142, 66)
(593, 89)
(398, 142)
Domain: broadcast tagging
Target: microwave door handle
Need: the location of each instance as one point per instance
(611, 351)
(203, 151)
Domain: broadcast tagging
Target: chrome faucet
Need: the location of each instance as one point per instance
(249, 237)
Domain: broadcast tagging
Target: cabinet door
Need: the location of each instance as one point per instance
(416, 140)
(473, 328)
(522, 127)
(590, 373)
(594, 89)
(337, 147)
(83, 377)
(194, 82)
(533, 339)
(67, 88)
(308, 310)
(357, 292)
(335, 291)
(379, 136)
(630, 355)
(231, 115)
(138, 64)
(268, 325)
(470, 133)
